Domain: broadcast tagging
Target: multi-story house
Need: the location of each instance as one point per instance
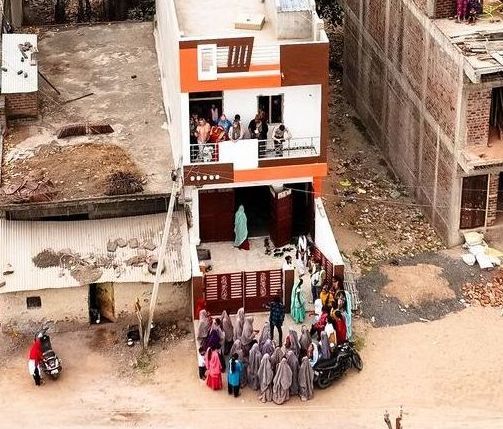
(248, 57)
(429, 90)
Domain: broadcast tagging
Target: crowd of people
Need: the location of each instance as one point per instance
(467, 10)
(207, 132)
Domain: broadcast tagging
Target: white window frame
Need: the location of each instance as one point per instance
(208, 52)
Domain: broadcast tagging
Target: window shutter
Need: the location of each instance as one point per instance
(207, 62)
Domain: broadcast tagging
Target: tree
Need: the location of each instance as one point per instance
(330, 11)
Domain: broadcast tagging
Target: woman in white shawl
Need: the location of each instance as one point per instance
(305, 339)
(248, 335)
(253, 366)
(264, 336)
(306, 380)
(203, 329)
(276, 358)
(293, 363)
(281, 383)
(265, 376)
(228, 331)
(294, 341)
(238, 325)
(268, 348)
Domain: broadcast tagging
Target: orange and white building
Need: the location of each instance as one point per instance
(242, 55)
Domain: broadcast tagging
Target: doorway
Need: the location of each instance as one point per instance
(256, 201)
(101, 303)
(303, 208)
(474, 202)
(200, 103)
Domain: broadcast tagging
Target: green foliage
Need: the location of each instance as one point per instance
(144, 11)
(330, 11)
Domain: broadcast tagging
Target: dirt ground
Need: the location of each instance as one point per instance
(443, 373)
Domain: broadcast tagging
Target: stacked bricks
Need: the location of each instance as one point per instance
(478, 108)
(492, 203)
(21, 105)
(445, 8)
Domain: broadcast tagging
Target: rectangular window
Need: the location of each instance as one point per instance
(207, 62)
(272, 105)
(474, 201)
(496, 116)
(33, 302)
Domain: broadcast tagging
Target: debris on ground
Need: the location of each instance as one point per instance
(487, 293)
(83, 129)
(47, 258)
(123, 183)
(86, 274)
(29, 190)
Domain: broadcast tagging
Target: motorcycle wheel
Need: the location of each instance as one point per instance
(357, 361)
(323, 382)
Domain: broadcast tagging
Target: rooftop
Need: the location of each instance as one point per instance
(113, 69)
(19, 73)
(220, 18)
(481, 42)
(86, 244)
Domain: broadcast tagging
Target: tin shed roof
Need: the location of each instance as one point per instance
(294, 5)
(85, 243)
(19, 72)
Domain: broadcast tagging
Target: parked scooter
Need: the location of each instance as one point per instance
(326, 371)
(51, 364)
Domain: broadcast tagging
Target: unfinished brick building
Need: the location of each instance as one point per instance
(429, 91)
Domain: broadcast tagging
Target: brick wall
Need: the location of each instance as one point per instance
(478, 108)
(445, 8)
(22, 105)
(492, 203)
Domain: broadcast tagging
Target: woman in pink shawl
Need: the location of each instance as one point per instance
(214, 369)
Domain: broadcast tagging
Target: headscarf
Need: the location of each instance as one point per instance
(227, 327)
(237, 348)
(294, 342)
(264, 336)
(268, 348)
(325, 346)
(281, 383)
(253, 367)
(215, 337)
(297, 307)
(248, 334)
(265, 376)
(293, 363)
(213, 363)
(240, 226)
(348, 315)
(276, 358)
(305, 339)
(238, 325)
(306, 380)
(203, 328)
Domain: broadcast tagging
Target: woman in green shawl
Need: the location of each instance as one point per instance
(298, 309)
(241, 229)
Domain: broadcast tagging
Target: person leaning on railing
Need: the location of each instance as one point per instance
(279, 135)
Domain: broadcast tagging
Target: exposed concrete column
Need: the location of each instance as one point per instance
(16, 13)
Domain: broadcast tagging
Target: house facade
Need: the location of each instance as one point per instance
(428, 89)
(241, 58)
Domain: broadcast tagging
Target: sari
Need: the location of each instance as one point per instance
(298, 306)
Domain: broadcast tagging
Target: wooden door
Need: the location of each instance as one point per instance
(474, 201)
(216, 215)
(281, 217)
(223, 292)
(105, 300)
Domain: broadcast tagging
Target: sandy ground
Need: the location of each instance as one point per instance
(446, 376)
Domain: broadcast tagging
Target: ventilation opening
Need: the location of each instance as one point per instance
(33, 302)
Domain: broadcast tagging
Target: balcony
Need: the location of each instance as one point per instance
(247, 154)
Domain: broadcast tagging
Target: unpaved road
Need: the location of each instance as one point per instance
(447, 374)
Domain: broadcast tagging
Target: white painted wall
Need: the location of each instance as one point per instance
(301, 107)
(166, 39)
(324, 236)
(185, 128)
(244, 153)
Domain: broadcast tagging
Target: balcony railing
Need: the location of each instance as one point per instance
(246, 153)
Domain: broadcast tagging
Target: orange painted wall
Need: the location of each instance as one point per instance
(189, 81)
(281, 172)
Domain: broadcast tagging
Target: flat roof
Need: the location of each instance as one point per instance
(21, 241)
(19, 72)
(117, 64)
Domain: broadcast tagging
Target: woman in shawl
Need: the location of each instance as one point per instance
(306, 380)
(348, 316)
(237, 348)
(264, 336)
(203, 328)
(325, 346)
(313, 354)
(276, 358)
(216, 335)
(305, 339)
(228, 332)
(268, 348)
(298, 306)
(340, 328)
(214, 369)
(241, 229)
(265, 377)
(253, 366)
(281, 383)
(238, 325)
(248, 335)
(294, 342)
(293, 363)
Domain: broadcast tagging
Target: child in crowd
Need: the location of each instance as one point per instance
(234, 375)
(200, 363)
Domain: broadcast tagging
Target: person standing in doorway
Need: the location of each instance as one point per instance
(214, 113)
(241, 229)
(35, 357)
(276, 317)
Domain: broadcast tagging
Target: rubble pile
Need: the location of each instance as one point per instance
(485, 293)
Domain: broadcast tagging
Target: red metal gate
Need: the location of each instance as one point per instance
(223, 292)
(325, 263)
(260, 287)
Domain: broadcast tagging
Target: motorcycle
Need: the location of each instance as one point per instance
(51, 363)
(326, 371)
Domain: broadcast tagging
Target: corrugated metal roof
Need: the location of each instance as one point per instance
(294, 5)
(12, 80)
(20, 241)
